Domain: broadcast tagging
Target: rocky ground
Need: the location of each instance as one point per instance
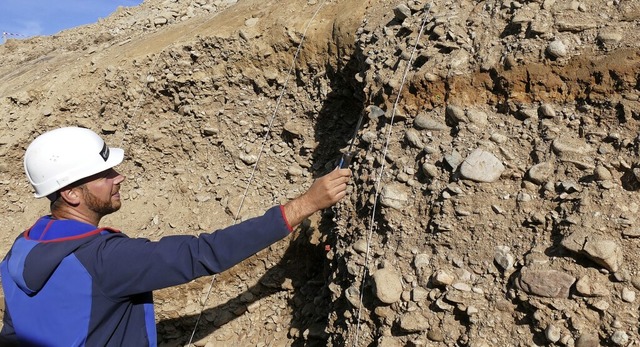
(496, 172)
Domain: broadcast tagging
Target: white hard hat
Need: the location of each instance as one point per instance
(62, 156)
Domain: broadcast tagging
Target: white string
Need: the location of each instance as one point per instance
(379, 178)
(275, 111)
(262, 147)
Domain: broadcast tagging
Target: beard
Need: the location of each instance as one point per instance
(101, 207)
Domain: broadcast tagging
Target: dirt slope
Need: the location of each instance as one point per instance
(493, 203)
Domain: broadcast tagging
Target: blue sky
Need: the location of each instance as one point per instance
(27, 18)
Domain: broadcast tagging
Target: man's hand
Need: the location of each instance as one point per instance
(326, 191)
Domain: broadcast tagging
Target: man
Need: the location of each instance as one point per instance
(68, 282)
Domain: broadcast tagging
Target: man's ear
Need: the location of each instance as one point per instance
(71, 195)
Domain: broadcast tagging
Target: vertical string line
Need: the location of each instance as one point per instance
(275, 111)
(262, 148)
(381, 172)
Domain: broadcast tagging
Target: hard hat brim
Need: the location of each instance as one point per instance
(116, 156)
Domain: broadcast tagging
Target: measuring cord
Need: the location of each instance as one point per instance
(427, 8)
(255, 166)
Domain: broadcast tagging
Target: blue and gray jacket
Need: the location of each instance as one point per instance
(67, 283)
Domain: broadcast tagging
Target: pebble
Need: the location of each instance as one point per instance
(109, 129)
(605, 252)
(497, 209)
(249, 159)
(587, 286)
(160, 21)
(402, 12)
(454, 159)
(353, 296)
(602, 173)
(609, 37)
(588, 340)
(210, 131)
(413, 322)
(442, 278)
(541, 172)
(369, 136)
(575, 24)
(547, 111)
(481, 166)
(523, 197)
(565, 144)
(425, 122)
(375, 112)
(435, 335)
(528, 113)
(523, 16)
(388, 285)
(461, 286)
(552, 333)
(631, 233)
(477, 117)
(413, 137)
(360, 246)
(430, 170)
(499, 138)
(389, 341)
(616, 324)
(557, 49)
(628, 295)
(602, 251)
(601, 305)
(419, 294)
(504, 258)
(421, 261)
(456, 113)
(545, 283)
(394, 195)
(294, 128)
(295, 171)
(620, 338)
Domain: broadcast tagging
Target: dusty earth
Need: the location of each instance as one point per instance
(496, 171)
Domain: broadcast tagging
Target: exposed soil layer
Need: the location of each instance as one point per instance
(492, 204)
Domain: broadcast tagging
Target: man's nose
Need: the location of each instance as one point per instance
(117, 177)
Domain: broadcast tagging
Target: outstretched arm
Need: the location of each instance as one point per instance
(324, 192)
(180, 258)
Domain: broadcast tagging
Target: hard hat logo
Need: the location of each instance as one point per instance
(104, 153)
(63, 156)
